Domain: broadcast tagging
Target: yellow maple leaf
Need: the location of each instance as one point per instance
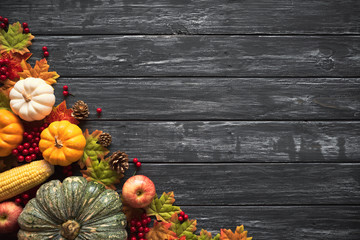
(41, 70)
(160, 230)
(239, 234)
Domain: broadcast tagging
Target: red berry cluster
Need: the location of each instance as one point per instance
(183, 217)
(29, 149)
(66, 91)
(139, 227)
(67, 171)
(22, 199)
(4, 22)
(4, 73)
(26, 27)
(45, 50)
(136, 162)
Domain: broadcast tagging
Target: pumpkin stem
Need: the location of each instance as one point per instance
(26, 97)
(58, 142)
(70, 229)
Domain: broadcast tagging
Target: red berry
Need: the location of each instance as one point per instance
(5, 20)
(140, 229)
(33, 133)
(181, 218)
(3, 69)
(25, 134)
(3, 25)
(33, 156)
(26, 145)
(138, 164)
(28, 159)
(146, 230)
(1, 19)
(143, 216)
(186, 217)
(37, 139)
(132, 222)
(133, 238)
(20, 158)
(98, 110)
(182, 213)
(1, 62)
(46, 54)
(65, 93)
(26, 30)
(25, 25)
(20, 148)
(7, 74)
(41, 129)
(18, 201)
(149, 219)
(36, 150)
(140, 235)
(69, 173)
(138, 223)
(25, 202)
(25, 196)
(133, 229)
(34, 145)
(135, 160)
(144, 222)
(25, 152)
(15, 152)
(6, 61)
(65, 87)
(31, 150)
(44, 48)
(3, 77)
(29, 137)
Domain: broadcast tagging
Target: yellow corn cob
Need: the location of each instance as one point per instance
(23, 178)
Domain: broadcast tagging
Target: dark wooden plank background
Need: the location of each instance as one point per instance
(249, 110)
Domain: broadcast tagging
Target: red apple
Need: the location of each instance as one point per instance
(138, 191)
(9, 213)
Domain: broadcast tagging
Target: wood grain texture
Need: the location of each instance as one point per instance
(233, 141)
(257, 183)
(172, 55)
(290, 223)
(219, 98)
(186, 16)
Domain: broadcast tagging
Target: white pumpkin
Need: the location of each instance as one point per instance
(32, 99)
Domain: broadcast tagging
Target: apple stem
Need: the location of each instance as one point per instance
(135, 173)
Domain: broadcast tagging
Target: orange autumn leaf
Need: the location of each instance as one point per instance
(161, 230)
(60, 112)
(176, 238)
(41, 70)
(239, 234)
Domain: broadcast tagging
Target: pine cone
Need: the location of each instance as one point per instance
(80, 110)
(119, 162)
(105, 139)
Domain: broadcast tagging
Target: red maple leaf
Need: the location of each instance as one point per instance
(60, 112)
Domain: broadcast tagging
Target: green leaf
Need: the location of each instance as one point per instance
(4, 102)
(205, 235)
(185, 228)
(93, 149)
(162, 207)
(101, 172)
(14, 39)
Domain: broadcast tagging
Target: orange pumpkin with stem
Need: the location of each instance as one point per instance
(11, 132)
(62, 143)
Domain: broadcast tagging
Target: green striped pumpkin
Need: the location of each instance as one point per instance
(74, 210)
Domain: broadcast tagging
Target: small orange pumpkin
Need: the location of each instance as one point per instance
(11, 132)
(62, 143)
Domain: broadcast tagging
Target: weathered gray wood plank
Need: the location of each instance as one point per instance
(186, 17)
(257, 184)
(290, 223)
(234, 141)
(202, 55)
(218, 98)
